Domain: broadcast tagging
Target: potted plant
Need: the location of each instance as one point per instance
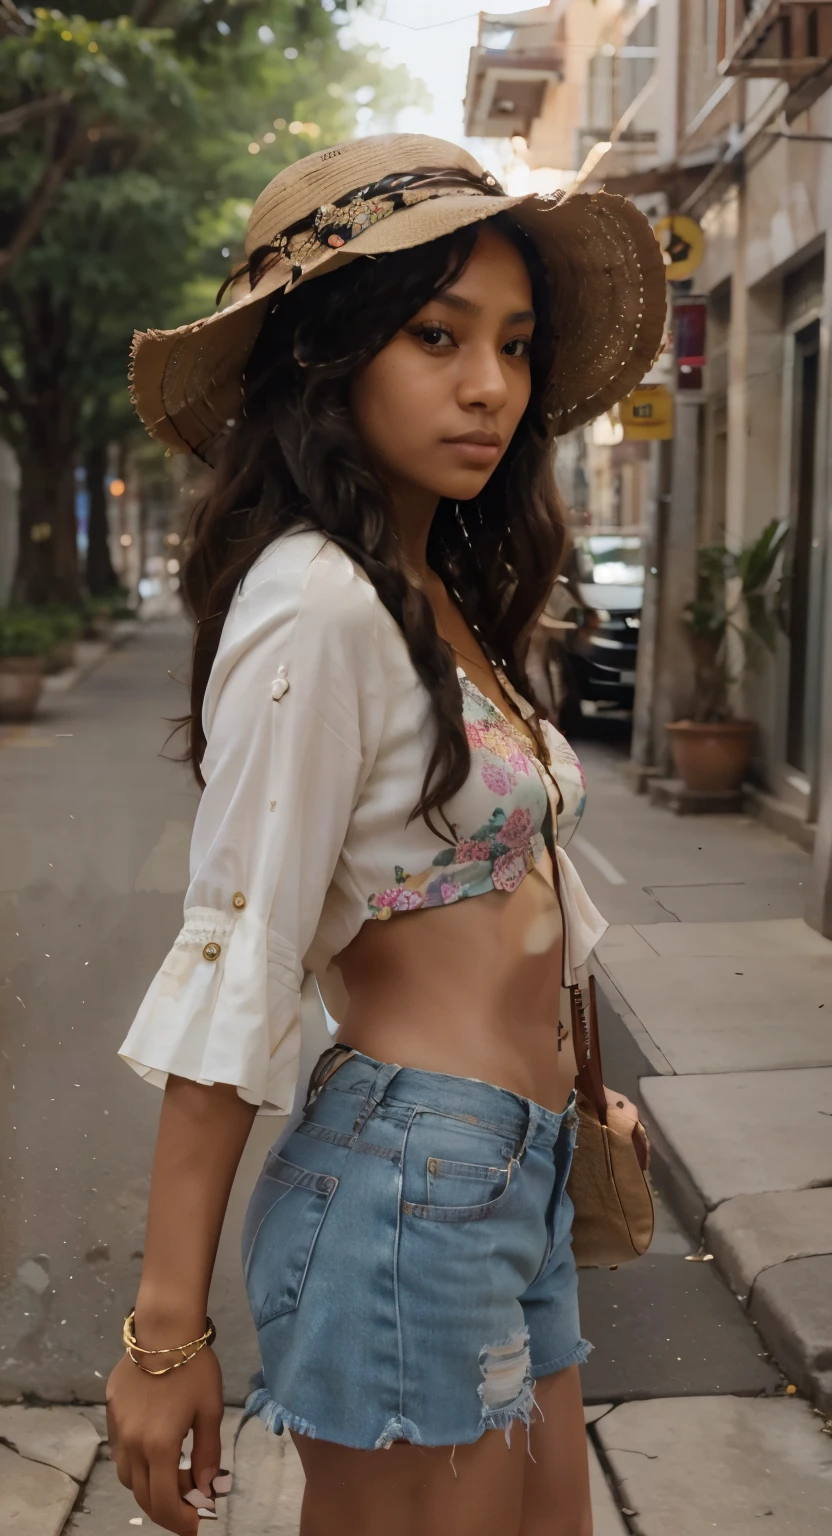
(66, 627)
(735, 595)
(25, 639)
(98, 617)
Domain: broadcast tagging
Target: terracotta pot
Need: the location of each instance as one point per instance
(99, 627)
(712, 759)
(21, 681)
(61, 656)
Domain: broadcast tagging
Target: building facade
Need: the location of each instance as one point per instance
(721, 110)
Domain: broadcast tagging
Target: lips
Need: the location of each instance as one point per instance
(478, 439)
(480, 449)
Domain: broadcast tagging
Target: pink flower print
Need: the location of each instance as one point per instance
(408, 901)
(470, 850)
(496, 779)
(517, 830)
(520, 763)
(389, 898)
(495, 739)
(449, 892)
(473, 732)
(509, 870)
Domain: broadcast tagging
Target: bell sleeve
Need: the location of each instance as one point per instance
(292, 715)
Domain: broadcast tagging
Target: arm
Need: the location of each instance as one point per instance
(202, 1133)
(220, 1025)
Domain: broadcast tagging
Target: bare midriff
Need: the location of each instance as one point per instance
(471, 989)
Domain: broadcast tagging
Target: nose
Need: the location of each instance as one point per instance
(483, 383)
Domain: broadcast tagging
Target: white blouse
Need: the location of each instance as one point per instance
(318, 733)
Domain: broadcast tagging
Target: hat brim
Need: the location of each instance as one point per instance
(602, 256)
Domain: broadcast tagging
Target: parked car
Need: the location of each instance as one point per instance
(610, 580)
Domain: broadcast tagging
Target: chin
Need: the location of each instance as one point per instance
(461, 487)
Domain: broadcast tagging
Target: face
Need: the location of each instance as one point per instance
(438, 406)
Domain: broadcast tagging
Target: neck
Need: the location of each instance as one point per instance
(412, 513)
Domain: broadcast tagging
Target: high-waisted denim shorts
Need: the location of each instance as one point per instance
(408, 1259)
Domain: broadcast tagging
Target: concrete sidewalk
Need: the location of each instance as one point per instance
(56, 1476)
(729, 995)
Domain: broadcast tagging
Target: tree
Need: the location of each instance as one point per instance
(137, 147)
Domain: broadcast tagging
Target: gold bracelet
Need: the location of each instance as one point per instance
(187, 1351)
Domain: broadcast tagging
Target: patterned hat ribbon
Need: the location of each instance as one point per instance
(334, 224)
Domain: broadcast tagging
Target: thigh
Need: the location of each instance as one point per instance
(556, 1492)
(467, 1490)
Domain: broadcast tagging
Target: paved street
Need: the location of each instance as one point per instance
(691, 1425)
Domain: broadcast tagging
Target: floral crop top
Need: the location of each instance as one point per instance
(318, 731)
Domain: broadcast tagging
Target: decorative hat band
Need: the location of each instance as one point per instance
(334, 224)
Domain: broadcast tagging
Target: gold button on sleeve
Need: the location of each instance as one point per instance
(211, 951)
(238, 900)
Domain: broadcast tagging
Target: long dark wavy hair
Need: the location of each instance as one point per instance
(295, 457)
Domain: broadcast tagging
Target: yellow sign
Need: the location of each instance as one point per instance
(682, 243)
(647, 414)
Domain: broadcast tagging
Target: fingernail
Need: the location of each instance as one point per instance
(199, 1499)
(221, 1484)
(206, 1514)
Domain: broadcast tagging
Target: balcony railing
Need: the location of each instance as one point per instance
(775, 39)
(516, 58)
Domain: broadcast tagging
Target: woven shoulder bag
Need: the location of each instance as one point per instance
(608, 1183)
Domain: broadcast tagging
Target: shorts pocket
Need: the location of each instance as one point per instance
(463, 1191)
(284, 1218)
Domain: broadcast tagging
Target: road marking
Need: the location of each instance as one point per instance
(602, 864)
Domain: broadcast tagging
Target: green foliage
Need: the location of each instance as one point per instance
(125, 192)
(66, 623)
(735, 595)
(25, 632)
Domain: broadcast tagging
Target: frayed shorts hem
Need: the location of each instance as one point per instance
(577, 1356)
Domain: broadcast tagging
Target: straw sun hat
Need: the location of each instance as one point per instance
(387, 193)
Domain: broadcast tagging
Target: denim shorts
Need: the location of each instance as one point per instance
(408, 1259)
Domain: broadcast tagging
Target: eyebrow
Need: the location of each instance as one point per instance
(456, 301)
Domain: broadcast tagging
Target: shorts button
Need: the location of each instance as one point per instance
(238, 900)
(431, 1165)
(211, 951)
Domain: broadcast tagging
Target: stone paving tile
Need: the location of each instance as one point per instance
(61, 1437)
(744, 1133)
(268, 1484)
(34, 1499)
(663, 1327)
(753, 1232)
(780, 1010)
(792, 1304)
(695, 1465)
(783, 936)
(606, 1518)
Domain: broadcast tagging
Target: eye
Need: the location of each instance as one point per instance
(519, 347)
(434, 336)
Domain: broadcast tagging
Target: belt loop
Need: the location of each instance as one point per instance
(379, 1086)
(531, 1128)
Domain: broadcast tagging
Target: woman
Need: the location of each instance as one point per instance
(380, 815)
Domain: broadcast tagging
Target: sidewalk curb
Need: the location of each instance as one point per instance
(95, 652)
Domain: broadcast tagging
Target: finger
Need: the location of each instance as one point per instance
(140, 1482)
(122, 1461)
(207, 1450)
(167, 1507)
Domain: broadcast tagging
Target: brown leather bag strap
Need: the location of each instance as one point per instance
(590, 1077)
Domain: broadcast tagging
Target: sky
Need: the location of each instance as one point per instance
(433, 38)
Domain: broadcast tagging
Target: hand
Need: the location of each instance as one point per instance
(148, 1417)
